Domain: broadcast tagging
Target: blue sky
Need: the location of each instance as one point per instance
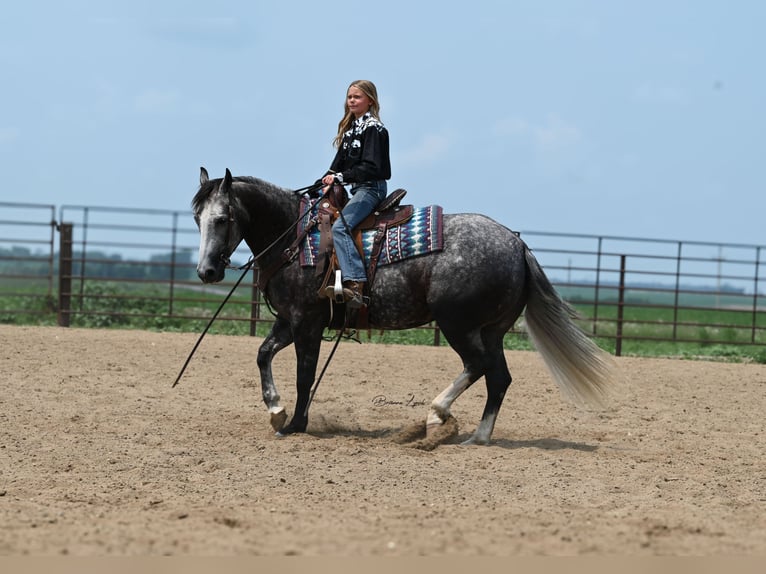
(640, 119)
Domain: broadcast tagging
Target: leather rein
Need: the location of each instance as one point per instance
(287, 256)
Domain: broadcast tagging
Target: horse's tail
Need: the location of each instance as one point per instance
(582, 371)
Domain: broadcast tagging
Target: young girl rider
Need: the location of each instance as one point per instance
(363, 162)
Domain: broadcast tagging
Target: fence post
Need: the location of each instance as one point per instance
(594, 326)
(755, 295)
(255, 303)
(677, 297)
(65, 274)
(620, 308)
(174, 232)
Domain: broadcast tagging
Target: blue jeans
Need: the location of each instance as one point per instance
(366, 197)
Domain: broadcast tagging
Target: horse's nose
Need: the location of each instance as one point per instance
(207, 275)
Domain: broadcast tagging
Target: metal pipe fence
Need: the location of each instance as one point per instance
(136, 267)
(658, 290)
(27, 233)
(128, 266)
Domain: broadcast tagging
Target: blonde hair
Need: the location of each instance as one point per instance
(369, 90)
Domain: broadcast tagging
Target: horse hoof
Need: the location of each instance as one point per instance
(474, 441)
(278, 419)
(284, 432)
(411, 433)
(290, 429)
(432, 429)
(444, 430)
(437, 434)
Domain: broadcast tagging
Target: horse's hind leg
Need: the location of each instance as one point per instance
(439, 411)
(469, 347)
(498, 379)
(482, 355)
(278, 338)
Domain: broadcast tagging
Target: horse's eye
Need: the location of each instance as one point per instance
(223, 220)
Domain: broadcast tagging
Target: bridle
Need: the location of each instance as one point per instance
(227, 258)
(287, 255)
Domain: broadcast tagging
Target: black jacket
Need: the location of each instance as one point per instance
(363, 152)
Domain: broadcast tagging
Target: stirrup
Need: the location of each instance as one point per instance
(340, 294)
(335, 292)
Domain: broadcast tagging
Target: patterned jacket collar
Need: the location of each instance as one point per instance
(363, 119)
(362, 123)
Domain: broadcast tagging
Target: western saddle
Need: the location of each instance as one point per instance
(388, 214)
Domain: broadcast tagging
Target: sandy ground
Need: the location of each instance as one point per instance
(99, 456)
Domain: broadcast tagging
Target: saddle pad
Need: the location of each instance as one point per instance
(421, 234)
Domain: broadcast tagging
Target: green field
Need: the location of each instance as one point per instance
(722, 327)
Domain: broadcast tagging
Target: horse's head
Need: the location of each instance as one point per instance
(214, 212)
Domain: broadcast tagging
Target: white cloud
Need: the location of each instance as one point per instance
(154, 101)
(513, 127)
(556, 134)
(8, 135)
(552, 135)
(431, 149)
(209, 33)
(572, 27)
(659, 94)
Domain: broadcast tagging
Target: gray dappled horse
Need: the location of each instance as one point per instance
(474, 289)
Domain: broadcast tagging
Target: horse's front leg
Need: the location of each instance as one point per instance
(278, 338)
(308, 342)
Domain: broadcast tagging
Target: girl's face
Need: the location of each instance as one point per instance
(357, 101)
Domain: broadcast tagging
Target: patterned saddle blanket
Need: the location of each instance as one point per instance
(419, 235)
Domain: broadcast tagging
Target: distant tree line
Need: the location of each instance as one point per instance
(723, 288)
(18, 260)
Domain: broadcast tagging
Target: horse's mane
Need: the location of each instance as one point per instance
(207, 188)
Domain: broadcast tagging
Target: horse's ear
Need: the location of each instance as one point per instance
(226, 183)
(203, 177)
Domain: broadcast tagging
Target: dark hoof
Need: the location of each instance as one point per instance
(411, 433)
(290, 429)
(419, 436)
(278, 419)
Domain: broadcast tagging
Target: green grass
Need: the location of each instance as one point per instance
(721, 334)
(27, 302)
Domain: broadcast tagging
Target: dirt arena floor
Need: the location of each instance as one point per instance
(99, 456)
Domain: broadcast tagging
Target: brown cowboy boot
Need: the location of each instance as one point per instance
(352, 294)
